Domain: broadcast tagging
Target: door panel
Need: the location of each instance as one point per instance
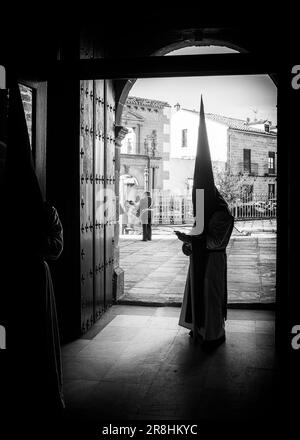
(109, 193)
(86, 203)
(97, 197)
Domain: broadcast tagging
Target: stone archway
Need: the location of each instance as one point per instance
(128, 84)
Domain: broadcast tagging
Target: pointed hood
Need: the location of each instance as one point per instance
(203, 173)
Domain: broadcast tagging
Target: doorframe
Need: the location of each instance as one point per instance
(128, 70)
(39, 128)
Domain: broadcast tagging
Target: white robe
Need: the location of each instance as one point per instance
(214, 287)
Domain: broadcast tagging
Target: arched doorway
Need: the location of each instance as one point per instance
(127, 197)
(128, 144)
(130, 83)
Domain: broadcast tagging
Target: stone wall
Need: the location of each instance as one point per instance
(260, 145)
(26, 95)
(150, 120)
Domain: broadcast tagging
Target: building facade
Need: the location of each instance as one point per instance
(184, 136)
(145, 149)
(246, 150)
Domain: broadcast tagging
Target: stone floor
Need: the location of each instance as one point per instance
(155, 271)
(138, 364)
(257, 225)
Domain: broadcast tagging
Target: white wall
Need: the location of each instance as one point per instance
(180, 170)
(217, 136)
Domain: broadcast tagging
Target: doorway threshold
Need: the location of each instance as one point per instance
(126, 300)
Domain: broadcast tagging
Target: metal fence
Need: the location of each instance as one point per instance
(171, 209)
(254, 206)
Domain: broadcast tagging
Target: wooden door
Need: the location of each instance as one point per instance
(87, 203)
(97, 198)
(110, 198)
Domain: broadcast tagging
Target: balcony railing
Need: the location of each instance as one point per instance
(243, 169)
(269, 171)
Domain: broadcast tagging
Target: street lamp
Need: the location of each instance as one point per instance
(146, 178)
(147, 168)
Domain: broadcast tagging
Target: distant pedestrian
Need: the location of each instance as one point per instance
(145, 213)
(124, 216)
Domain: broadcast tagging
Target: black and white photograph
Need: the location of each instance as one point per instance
(149, 224)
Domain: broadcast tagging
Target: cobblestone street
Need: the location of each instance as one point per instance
(155, 271)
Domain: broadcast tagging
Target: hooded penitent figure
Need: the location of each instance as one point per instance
(205, 297)
(31, 233)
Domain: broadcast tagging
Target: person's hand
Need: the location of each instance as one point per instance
(187, 249)
(183, 237)
(187, 238)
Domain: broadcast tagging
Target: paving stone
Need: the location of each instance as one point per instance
(156, 270)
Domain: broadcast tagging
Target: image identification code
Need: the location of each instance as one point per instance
(154, 429)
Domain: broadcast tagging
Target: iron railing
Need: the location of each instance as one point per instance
(254, 206)
(169, 209)
(251, 171)
(172, 209)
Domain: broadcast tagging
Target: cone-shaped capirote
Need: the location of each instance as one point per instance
(203, 173)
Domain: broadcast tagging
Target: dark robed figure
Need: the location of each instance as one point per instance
(31, 234)
(205, 297)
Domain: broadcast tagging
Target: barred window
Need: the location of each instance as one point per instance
(271, 162)
(271, 190)
(247, 160)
